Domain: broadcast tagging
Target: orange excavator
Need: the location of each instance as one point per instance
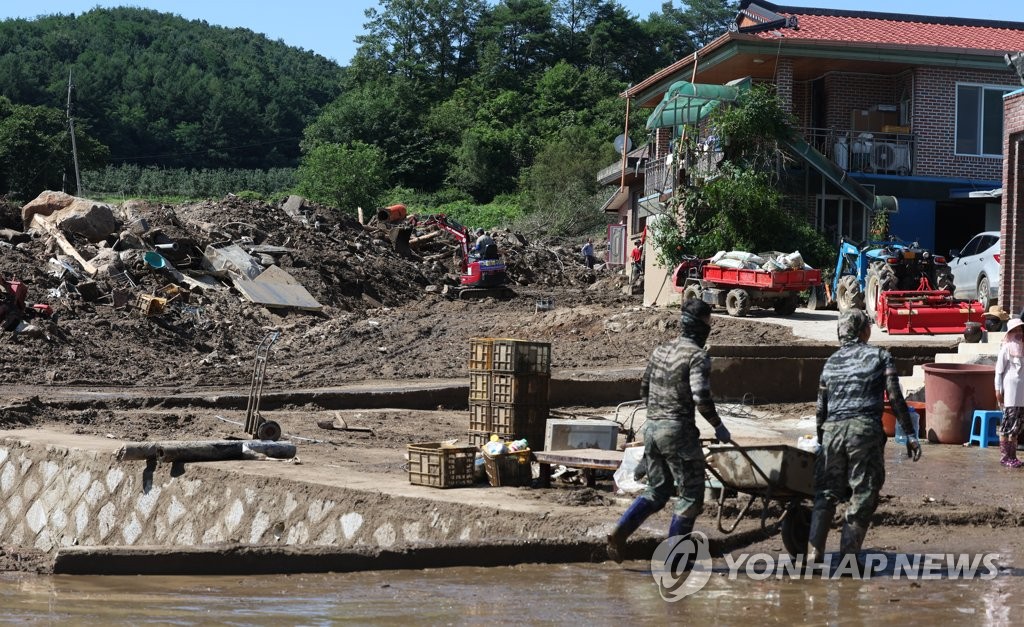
(482, 272)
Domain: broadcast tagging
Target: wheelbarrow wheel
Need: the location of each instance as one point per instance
(796, 529)
(268, 430)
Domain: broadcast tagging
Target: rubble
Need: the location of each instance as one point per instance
(124, 325)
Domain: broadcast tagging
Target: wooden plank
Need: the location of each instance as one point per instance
(63, 242)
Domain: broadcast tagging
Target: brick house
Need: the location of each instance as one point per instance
(909, 106)
(1012, 242)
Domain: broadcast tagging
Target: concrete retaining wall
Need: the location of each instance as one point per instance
(57, 497)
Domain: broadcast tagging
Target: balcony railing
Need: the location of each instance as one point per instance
(863, 151)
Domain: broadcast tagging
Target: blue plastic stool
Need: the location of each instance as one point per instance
(984, 428)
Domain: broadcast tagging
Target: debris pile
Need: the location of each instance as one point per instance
(150, 294)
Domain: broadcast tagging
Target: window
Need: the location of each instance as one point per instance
(979, 120)
(839, 217)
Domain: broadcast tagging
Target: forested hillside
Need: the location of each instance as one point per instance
(158, 89)
(502, 107)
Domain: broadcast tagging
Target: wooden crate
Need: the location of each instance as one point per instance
(520, 389)
(480, 417)
(479, 386)
(521, 357)
(441, 465)
(481, 350)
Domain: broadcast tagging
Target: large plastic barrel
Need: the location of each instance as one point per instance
(394, 213)
(952, 393)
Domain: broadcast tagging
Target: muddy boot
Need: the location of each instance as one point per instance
(1008, 448)
(680, 526)
(630, 522)
(850, 542)
(821, 520)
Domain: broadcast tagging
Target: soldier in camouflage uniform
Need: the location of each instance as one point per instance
(675, 384)
(851, 464)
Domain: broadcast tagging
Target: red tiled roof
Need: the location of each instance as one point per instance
(901, 30)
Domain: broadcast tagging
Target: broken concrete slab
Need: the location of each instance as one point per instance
(294, 206)
(276, 288)
(230, 259)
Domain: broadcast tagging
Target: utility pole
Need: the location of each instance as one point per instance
(74, 147)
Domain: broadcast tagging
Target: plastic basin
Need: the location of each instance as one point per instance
(952, 393)
(889, 418)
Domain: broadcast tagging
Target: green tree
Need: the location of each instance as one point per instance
(708, 19)
(740, 206)
(345, 176)
(562, 195)
(35, 150)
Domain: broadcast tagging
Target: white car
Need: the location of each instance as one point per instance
(975, 268)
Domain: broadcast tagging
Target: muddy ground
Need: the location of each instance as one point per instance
(384, 318)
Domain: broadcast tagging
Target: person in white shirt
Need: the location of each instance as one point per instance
(1010, 391)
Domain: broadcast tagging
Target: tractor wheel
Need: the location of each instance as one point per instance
(944, 280)
(786, 306)
(848, 294)
(881, 278)
(692, 291)
(816, 299)
(983, 291)
(737, 302)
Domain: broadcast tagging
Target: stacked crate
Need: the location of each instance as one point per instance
(509, 382)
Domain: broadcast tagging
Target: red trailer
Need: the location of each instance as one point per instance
(739, 289)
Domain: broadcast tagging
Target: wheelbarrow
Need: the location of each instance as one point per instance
(775, 472)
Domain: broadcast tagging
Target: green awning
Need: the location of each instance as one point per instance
(689, 103)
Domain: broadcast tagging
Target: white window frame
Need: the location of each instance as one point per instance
(845, 205)
(981, 121)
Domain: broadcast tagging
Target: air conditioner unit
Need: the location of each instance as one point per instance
(890, 157)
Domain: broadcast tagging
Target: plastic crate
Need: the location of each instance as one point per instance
(478, 438)
(479, 386)
(509, 469)
(480, 417)
(481, 350)
(521, 357)
(519, 419)
(441, 465)
(520, 389)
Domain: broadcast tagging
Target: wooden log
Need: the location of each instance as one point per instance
(425, 238)
(206, 451)
(63, 242)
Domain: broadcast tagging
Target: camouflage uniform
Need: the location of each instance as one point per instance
(851, 463)
(675, 383)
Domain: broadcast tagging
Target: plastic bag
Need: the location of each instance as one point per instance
(808, 443)
(624, 480)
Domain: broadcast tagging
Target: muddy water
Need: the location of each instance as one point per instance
(599, 594)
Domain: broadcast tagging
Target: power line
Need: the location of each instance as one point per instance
(202, 152)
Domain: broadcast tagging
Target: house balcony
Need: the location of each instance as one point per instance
(865, 151)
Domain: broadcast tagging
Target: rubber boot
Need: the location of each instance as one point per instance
(850, 542)
(630, 522)
(821, 521)
(1010, 453)
(680, 526)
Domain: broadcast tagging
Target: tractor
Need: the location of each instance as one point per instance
(903, 288)
(863, 272)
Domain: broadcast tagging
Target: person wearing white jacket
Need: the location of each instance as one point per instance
(1010, 391)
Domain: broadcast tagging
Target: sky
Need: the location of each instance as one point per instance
(330, 28)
